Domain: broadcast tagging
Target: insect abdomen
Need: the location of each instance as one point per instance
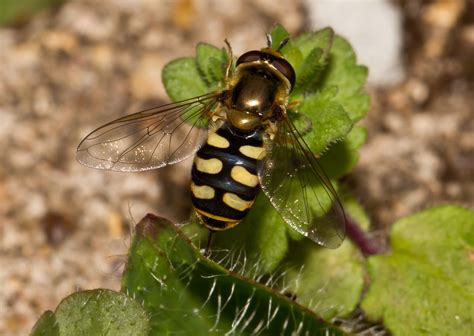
(224, 177)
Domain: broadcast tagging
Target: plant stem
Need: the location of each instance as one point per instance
(367, 245)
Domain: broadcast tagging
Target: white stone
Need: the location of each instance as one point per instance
(374, 29)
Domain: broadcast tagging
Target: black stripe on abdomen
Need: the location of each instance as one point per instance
(224, 201)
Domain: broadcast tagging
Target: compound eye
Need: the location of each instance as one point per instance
(286, 69)
(249, 56)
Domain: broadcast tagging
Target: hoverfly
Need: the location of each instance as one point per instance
(244, 141)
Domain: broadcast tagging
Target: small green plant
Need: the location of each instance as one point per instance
(14, 12)
(263, 278)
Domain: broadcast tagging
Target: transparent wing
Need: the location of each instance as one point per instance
(299, 189)
(149, 139)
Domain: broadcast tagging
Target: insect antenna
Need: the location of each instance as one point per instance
(269, 41)
(283, 43)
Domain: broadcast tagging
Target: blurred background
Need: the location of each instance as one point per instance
(67, 67)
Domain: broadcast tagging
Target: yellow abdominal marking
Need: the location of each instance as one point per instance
(231, 222)
(203, 192)
(211, 166)
(236, 202)
(216, 140)
(252, 151)
(242, 175)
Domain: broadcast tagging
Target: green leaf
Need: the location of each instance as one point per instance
(425, 286)
(315, 48)
(261, 236)
(296, 58)
(341, 157)
(211, 62)
(46, 325)
(329, 282)
(182, 79)
(308, 73)
(321, 39)
(329, 88)
(278, 34)
(349, 78)
(188, 294)
(328, 121)
(95, 312)
(189, 77)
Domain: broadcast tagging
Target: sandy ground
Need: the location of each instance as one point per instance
(65, 227)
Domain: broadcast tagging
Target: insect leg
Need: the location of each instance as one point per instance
(229, 61)
(208, 245)
(293, 104)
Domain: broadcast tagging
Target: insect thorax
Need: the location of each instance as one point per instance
(255, 93)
